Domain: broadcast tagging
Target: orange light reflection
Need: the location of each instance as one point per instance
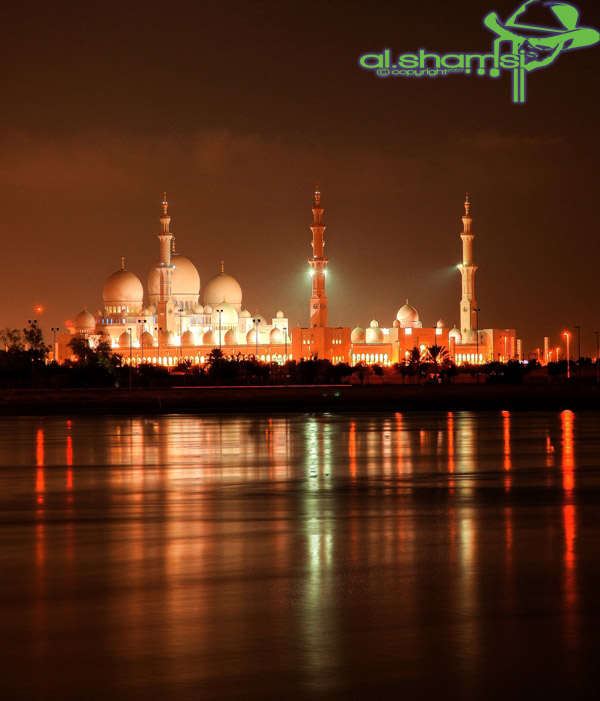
(568, 463)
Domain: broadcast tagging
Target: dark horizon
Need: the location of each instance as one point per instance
(238, 109)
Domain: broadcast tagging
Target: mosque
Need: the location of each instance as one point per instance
(174, 326)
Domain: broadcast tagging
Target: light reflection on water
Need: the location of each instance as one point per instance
(301, 555)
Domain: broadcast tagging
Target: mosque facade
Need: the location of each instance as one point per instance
(170, 324)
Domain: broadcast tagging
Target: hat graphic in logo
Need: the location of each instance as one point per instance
(540, 31)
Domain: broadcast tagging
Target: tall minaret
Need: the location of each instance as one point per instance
(467, 268)
(318, 300)
(165, 269)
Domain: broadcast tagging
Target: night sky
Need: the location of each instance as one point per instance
(237, 109)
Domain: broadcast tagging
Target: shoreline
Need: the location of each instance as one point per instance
(300, 398)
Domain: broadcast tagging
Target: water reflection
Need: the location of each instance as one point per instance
(323, 550)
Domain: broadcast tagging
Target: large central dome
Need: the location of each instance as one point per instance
(123, 291)
(185, 282)
(223, 288)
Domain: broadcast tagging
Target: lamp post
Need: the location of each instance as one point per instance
(256, 323)
(597, 334)
(158, 330)
(285, 338)
(180, 335)
(477, 332)
(141, 321)
(130, 358)
(568, 335)
(220, 311)
(54, 329)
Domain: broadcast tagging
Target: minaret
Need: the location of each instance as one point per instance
(165, 268)
(468, 303)
(318, 300)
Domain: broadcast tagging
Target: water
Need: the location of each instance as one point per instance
(370, 556)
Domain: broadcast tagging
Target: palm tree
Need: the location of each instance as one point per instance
(439, 356)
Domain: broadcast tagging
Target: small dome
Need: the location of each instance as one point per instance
(374, 324)
(251, 336)
(279, 314)
(124, 340)
(198, 309)
(260, 317)
(223, 288)
(396, 324)
(470, 336)
(170, 339)
(185, 281)
(245, 314)
(455, 334)
(374, 334)
(358, 335)
(276, 335)
(147, 339)
(84, 321)
(187, 338)
(407, 315)
(209, 339)
(229, 316)
(207, 310)
(123, 288)
(231, 338)
(440, 324)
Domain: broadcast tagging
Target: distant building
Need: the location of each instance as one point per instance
(174, 325)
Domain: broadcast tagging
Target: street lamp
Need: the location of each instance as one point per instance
(220, 310)
(597, 334)
(285, 338)
(54, 329)
(477, 331)
(180, 335)
(158, 330)
(256, 323)
(568, 335)
(141, 321)
(130, 350)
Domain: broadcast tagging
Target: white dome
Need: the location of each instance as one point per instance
(187, 338)
(276, 335)
(207, 310)
(223, 288)
(185, 281)
(358, 335)
(84, 321)
(470, 336)
(209, 338)
(229, 316)
(374, 334)
(279, 315)
(455, 334)
(396, 324)
(374, 324)
(251, 336)
(408, 315)
(231, 338)
(124, 340)
(123, 288)
(440, 324)
(198, 309)
(148, 339)
(170, 339)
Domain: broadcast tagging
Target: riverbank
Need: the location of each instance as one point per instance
(338, 398)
